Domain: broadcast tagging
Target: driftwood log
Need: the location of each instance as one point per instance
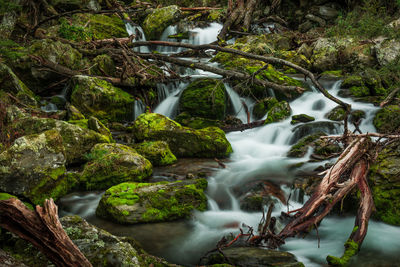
(43, 229)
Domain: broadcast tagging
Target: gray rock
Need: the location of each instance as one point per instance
(327, 12)
(387, 51)
(328, 127)
(320, 21)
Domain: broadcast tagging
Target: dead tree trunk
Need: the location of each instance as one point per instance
(43, 229)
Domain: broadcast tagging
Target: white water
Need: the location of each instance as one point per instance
(139, 36)
(260, 154)
(138, 108)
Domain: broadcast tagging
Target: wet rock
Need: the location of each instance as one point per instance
(73, 113)
(356, 116)
(131, 203)
(34, 167)
(188, 120)
(321, 22)
(263, 106)
(327, 12)
(111, 164)
(305, 26)
(183, 141)
(301, 118)
(336, 114)
(312, 128)
(387, 51)
(280, 111)
(252, 257)
(384, 179)
(387, 119)
(204, 98)
(155, 23)
(300, 149)
(94, 124)
(76, 140)
(158, 152)
(10, 83)
(98, 98)
(104, 66)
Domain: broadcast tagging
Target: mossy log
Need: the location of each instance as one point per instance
(43, 229)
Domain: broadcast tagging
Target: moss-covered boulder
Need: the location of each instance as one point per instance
(111, 164)
(336, 114)
(155, 23)
(97, 126)
(263, 106)
(157, 152)
(301, 118)
(34, 167)
(204, 98)
(384, 179)
(73, 113)
(10, 83)
(300, 149)
(387, 120)
(185, 142)
(131, 203)
(104, 66)
(98, 98)
(387, 51)
(76, 140)
(278, 112)
(188, 120)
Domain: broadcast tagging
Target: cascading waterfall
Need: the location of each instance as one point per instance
(139, 36)
(138, 108)
(259, 155)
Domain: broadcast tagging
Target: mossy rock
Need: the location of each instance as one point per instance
(263, 106)
(336, 114)
(301, 118)
(204, 98)
(384, 179)
(387, 120)
(34, 167)
(76, 140)
(131, 203)
(157, 152)
(280, 111)
(185, 142)
(5, 196)
(111, 164)
(186, 119)
(104, 66)
(98, 98)
(73, 113)
(155, 23)
(97, 126)
(300, 149)
(10, 83)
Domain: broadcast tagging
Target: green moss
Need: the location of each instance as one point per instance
(359, 91)
(387, 120)
(5, 196)
(10, 51)
(186, 119)
(104, 66)
(278, 112)
(263, 106)
(301, 118)
(351, 249)
(158, 152)
(300, 148)
(333, 73)
(204, 98)
(83, 123)
(155, 23)
(337, 114)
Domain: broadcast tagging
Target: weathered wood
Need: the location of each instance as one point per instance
(43, 229)
(390, 97)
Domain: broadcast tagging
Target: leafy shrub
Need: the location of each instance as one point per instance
(72, 32)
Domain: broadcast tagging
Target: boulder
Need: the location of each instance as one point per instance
(158, 152)
(387, 119)
(336, 114)
(94, 124)
(155, 23)
(131, 203)
(263, 106)
(309, 128)
(387, 51)
(384, 179)
(73, 113)
(98, 98)
(204, 98)
(10, 83)
(185, 142)
(252, 257)
(76, 140)
(188, 120)
(280, 111)
(301, 118)
(104, 66)
(111, 164)
(34, 167)
(300, 149)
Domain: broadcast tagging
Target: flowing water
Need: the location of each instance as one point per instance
(259, 155)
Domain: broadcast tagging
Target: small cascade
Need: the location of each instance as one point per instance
(171, 93)
(49, 108)
(139, 36)
(138, 108)
(237, 104)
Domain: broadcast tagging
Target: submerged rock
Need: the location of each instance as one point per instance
(34, 167)
(252, 257)
(336, 114)
(98, 98)
(155, 23)
(384, 179)
(183, 141)
(157, 152)
(309, 128)
(263, 106)
(301, 118)
(131, 203)
(204, 98)
(387, 120)
(111, 164)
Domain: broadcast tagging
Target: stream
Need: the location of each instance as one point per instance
(259, 155)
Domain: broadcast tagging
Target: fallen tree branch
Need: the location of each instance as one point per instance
(392, 136)
(199, 8)
(43, 229)
(390, 97)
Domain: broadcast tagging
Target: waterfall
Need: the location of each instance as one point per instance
(139, 36)
(138, 108)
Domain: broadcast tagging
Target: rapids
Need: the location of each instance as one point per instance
(259, 154)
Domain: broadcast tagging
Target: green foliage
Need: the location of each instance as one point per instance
(72, 32)
(367, 21)
(10, 50)
(8, 6)
(96, 154)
